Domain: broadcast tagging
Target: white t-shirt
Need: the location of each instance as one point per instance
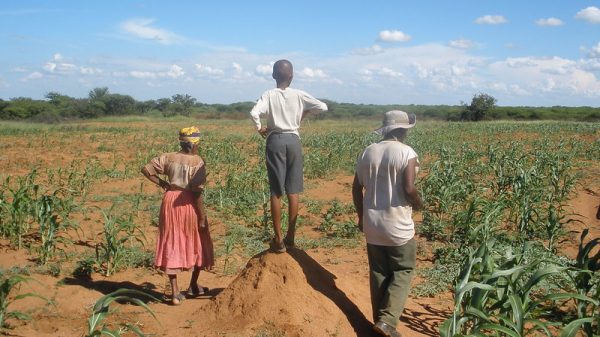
(387, 214)
(284, 108)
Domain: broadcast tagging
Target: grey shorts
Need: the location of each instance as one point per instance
(284, 164)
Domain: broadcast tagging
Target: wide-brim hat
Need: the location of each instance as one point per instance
(396, 119)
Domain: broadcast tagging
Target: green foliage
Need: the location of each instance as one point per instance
(101, 310)
(481, 106)
(120, 235)
(101, 102)
(7, 286)
(48, 209)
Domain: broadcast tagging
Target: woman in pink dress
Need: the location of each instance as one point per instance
(184, 241)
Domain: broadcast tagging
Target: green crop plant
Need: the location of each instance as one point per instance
(7, 286)
(17, 211)
(119, 234)
(496, 295)
(49, 227)
(585, 277)
(96, 325)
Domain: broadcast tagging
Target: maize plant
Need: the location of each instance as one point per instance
(7, 286)
(111, 254)
(47, 210)
(17, 212)
(101, 310)
(585, 277)
(496, 295)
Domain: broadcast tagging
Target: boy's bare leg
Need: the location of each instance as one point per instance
(276, 216)
(293, 202)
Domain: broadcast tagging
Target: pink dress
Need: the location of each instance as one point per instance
(180, 244)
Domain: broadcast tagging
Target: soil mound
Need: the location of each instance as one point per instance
(287, 294)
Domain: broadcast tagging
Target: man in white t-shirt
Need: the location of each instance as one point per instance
(384, 195)
(285, 108)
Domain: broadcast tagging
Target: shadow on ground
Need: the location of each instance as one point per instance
(426, 322)
(106, 287)
(321, 280)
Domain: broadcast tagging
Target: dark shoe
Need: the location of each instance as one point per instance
(386, 330)
(277, 247)
(196, 291)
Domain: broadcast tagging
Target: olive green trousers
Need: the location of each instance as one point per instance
(391, 270)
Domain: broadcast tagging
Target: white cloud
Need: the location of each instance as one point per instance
(33, 76)
(60, 68)
(20, 70)
(207, 70)
(89, 70)
(389, 72)
(311, 73)
(491, 20)
(175, 71)
(393, 36)
(57, 57)
(238, 67)
(458, 70)
(264, 69)
(594, 52)
(549, 22)
(143, 74)
(462, 44)
(374, 49)
(590, 14)
(142, 29)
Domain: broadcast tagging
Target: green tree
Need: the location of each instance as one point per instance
(182, 104)
(97, 94)
(117, 104)
(481, 106)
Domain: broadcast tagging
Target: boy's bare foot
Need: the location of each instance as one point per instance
(277, 246)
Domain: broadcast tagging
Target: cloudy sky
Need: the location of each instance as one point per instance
(536, 53)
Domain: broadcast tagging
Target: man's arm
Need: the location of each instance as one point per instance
(408, 183)
(357, 198)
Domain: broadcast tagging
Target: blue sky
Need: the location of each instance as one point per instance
(535, 53)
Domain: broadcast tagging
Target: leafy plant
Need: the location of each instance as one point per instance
(7, 286)
(119, 234)
(101, 310)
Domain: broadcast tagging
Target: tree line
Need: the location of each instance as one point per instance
(101, 102)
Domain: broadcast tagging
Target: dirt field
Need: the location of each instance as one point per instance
(316, 292)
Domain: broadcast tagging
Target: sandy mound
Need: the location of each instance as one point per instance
(289, 294)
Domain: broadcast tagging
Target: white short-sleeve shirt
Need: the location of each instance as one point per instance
(387, 214)
(284, 109)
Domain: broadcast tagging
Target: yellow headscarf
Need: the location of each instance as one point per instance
(190, 135)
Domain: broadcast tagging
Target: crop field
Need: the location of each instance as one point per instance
(509, 243)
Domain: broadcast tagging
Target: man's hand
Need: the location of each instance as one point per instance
(202, 223)
(263, 132)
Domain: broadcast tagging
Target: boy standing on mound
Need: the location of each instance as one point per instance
(285, 107)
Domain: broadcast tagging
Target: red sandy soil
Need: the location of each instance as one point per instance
(321, 292)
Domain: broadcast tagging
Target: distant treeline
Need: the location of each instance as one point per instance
(100, 102)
